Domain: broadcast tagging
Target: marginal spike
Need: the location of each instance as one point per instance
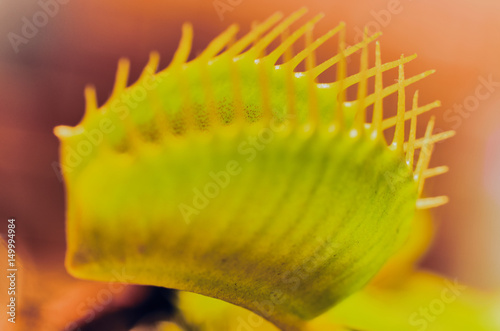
(341, 74)
(256, 55)
(152, 65)
(275, 54)
(311, 46)
(253, 35)
(362, 86)
(391, 121)
(219, 42)
(433, 172)
(182, 53)
(90, 99)
(316, 71)
(288, 53)
(353, 79)
(262, 44)
(399, 133)
(378, 98)
(410, 150)
(434, 138)
(121, 79)
(393, 88)
(64, 131)
(231, 42)
(310, 57)
(427, 203)
(425, 155)
(307, 53)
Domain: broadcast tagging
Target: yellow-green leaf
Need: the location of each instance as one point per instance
(243, 180)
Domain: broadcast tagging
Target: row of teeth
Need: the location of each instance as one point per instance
(256, 44)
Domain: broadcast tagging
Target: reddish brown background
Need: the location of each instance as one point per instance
(41, 86)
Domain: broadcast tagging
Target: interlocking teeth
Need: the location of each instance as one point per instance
(267, 84)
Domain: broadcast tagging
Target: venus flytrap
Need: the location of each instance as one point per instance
(320, 182)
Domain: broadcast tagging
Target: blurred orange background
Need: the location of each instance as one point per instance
(41, 86)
